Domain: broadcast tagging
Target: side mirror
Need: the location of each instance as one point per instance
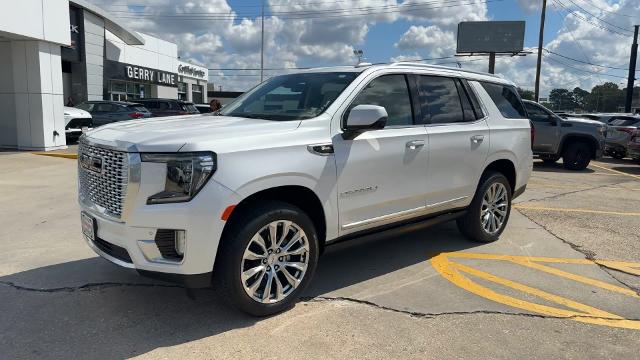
(365, 117)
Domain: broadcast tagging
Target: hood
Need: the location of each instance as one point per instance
(74, 113)
(583, 121)
(170, 134)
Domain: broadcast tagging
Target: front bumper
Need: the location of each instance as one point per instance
(130, 242)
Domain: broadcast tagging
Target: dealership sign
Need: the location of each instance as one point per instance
(192, 71)
(120, 71)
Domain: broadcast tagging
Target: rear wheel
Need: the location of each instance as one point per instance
(576, 156)
(489, 211)
(267, 258)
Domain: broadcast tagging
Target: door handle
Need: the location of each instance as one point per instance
(413, 145)
(477, 139)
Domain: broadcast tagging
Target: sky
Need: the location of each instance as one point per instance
(587, 40)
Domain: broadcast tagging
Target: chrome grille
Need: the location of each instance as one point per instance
(106, 188)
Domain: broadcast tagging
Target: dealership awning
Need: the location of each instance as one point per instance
(129, 37)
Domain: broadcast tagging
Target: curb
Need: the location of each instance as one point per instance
(59, 155)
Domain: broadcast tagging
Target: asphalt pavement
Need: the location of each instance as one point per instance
(562, 282)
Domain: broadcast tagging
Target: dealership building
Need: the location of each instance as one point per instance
(57, 52)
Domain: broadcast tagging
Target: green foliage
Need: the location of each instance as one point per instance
(607, 97)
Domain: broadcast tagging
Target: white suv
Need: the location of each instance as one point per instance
(247, 198)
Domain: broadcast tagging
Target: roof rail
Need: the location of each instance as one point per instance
(428, 66)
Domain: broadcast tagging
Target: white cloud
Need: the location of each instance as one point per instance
(431, 39)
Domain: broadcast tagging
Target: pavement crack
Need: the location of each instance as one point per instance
(426, 315)
(556, 196)
(588, 254)
(85, 287)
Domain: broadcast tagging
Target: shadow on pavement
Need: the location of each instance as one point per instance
(127, 315)
(540, 166)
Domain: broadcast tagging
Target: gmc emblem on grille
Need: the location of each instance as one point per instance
(91, 163)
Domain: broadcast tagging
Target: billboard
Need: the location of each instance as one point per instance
(490, 36)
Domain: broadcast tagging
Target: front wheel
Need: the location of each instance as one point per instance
(576, 156)
(267, 258)
(489, 211)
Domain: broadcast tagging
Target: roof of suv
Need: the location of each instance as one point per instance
(163, 99)
(445, 70)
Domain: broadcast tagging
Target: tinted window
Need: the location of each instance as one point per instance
(623, 121)
(392, 93)
(291, 97)
(104, 107)
(506, 99)
(537, 113)
(469, 114)
(86, 107)
(440, 99)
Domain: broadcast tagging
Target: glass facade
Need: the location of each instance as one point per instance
(182, 91)
(196, 94)
(126, 90)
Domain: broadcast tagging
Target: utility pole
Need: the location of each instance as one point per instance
(262, 44)
(632, 70)
(540, 45)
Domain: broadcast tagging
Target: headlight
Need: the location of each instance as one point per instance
(186, 175)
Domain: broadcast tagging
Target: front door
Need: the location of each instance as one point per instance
(381, 173)
(546, 127)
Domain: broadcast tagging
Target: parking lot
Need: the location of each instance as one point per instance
(563, 281)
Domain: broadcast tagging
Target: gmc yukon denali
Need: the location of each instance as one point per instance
(246, 199)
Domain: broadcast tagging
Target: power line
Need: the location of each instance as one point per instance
(609, 11)
(586, 62)
(583, 70)
(579, 17)
(332, 13)
(602, 20)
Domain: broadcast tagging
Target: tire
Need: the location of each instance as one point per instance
(471, 224)
(618, 155)
(576, 156)
(240, 237)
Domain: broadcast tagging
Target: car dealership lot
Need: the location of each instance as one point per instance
(562, 281)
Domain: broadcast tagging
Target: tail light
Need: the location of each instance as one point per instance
(136, 115)
(533, 133)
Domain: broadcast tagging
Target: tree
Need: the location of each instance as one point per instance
(526, 94)
(605, 98)
(580, 97)
(562, 99)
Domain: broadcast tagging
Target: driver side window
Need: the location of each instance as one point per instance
(537, 114)
(392, 93)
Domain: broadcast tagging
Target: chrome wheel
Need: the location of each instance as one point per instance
(275, 261)
(495, 204)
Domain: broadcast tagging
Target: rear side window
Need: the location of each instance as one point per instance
(506, 99)
(623, 121)
(477, 109)
(392, 93)
(440, 99)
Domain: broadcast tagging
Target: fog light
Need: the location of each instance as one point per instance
(181, 242)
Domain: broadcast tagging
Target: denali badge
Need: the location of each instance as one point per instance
(91, 163)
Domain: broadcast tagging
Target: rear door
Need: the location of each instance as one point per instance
(458, 141)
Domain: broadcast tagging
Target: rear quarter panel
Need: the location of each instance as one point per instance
(510, 138)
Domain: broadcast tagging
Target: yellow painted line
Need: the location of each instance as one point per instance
(60, 155)
(577, 278)
(551, 186)
(452, 271)
(586, 211)
(617, 172)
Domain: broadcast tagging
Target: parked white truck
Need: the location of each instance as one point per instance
(246, 199)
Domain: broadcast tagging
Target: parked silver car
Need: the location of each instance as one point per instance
(621, 128)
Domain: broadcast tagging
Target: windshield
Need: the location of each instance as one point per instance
(85, 106)
(291, 97)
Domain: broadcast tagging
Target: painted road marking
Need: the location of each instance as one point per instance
(542, 185)
(454, 271)
(617, 172)
(586, 211)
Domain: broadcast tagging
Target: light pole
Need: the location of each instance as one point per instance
(632, 71)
